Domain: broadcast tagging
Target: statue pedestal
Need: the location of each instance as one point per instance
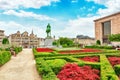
(48, 42)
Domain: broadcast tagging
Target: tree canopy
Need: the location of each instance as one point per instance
(65, 42)
(114, 37)
(5, 41)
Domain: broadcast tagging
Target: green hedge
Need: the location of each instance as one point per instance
(17, 49)
(45, 70)
(107, 72)
(4, 57)
(99, 47)
(117, 69)
(56, 64)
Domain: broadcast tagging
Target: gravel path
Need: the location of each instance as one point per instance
(21, 67)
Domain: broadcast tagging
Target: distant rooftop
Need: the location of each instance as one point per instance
(107, 16)
(83, 37)
(2, 30)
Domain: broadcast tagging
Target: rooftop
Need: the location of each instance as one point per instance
(107, 16)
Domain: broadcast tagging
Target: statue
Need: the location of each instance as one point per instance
(48, 31)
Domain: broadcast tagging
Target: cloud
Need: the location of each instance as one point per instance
(12, 27)
(98, 1)
(22, 13)
(15, 4)
(112, 6)
(83, 8)
(78, 26)
(74, 1)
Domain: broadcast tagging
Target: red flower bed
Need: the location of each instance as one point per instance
(44, 50)
(91, 59)
(74, 72)
(78, 51)
(114, 60)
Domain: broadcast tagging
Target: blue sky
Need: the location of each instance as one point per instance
(67, 18)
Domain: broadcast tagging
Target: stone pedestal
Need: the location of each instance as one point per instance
(48, 42)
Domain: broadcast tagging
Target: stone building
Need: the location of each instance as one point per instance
(106, 26)
(24, 39)
(84, 40)
(1, 36)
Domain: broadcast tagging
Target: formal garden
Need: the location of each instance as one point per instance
(78, 64)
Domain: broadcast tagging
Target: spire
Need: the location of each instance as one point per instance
(32, 31)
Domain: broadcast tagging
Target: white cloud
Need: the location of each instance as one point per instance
(74, 1)
(83, 8)
(112, 6)
(15, 4)
(12, 27)
(22, 13)
(92, 8)
(78, 26)
(98, 1)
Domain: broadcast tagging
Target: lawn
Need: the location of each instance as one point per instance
(102, 65)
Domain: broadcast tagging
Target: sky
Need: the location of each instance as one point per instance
(68, 18)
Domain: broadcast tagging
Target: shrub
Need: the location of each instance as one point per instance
(98, 42)
(107, 72)
(114, 37)
(17, 49)
(45, 70)
(4, 57)
(74, 72)
(56, 64)
(117, 69)
(99, 47)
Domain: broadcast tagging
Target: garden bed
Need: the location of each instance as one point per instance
(90, 59)
(44, 50)
(85, 66)
(79, 51)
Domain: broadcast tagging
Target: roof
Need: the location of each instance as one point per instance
(2, 30)
(107, 16)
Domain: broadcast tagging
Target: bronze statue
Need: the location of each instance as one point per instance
(48, 31)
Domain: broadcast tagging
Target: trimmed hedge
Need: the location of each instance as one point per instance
(46, 71)
(107, 72)
(17, 49)
(99, 47)
(56, 64)
(4, 57)
(117, 69)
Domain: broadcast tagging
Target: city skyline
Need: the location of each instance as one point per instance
(67, 18)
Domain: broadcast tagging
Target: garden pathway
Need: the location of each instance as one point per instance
(21, 67)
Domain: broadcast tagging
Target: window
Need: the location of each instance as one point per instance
(106, 31)
(106, 28)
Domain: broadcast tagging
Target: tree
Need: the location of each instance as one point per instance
(114, 37)
(65, 42)
(54, 43)
(98, 42)
(5, 41)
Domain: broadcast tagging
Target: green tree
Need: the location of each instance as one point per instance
(114, 37)
(98, 42)
(65, 42)
(5, 41)
(54, 43)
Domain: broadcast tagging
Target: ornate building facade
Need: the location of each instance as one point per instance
(24, 39)
(1, 36)
(106, 26)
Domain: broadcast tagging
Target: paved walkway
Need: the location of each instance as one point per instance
(21, 67)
